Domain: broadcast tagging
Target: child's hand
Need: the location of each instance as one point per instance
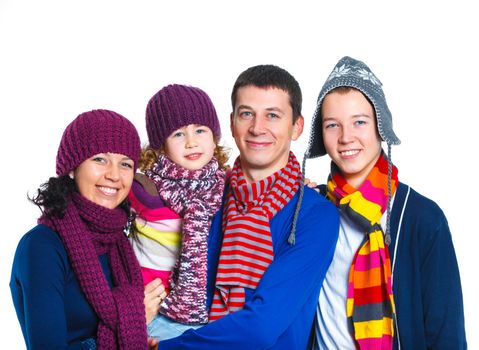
(154, 295)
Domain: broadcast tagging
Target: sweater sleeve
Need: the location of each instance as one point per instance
(157, 235)
(441, 287)
(290, 286)
(37, 285)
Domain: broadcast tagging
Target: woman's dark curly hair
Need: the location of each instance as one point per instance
(52, 197)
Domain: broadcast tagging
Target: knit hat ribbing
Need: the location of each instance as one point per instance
(176, 106)
(355, 74)
(93, 132)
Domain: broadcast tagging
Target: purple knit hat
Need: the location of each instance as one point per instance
(93, 132)
(176, 106)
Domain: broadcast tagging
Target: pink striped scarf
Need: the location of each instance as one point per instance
(247, 249)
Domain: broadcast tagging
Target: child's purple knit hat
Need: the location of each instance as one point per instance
(93, 132)
(176, 106)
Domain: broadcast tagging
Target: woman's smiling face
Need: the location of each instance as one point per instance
(105, 178)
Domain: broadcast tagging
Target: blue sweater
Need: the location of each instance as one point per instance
(51, 307)
(279, 313)
(426, 282)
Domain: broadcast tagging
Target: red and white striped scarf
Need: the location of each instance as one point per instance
(247, 249)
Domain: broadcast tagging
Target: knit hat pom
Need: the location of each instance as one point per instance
(93, 132)
(176, 106)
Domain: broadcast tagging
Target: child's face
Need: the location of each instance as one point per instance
(350, 135)
(191, 147)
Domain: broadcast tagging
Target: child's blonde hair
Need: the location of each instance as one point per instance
(149, 156)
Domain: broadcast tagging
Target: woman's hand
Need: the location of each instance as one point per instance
(154, 295)
(152, 344)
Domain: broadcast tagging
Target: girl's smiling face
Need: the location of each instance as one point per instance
(191, 147)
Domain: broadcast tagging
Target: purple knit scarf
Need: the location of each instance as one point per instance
(87, 231)
(195, 195)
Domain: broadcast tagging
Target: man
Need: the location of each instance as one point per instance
(273, 240)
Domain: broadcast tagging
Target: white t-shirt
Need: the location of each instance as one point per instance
(331, 326)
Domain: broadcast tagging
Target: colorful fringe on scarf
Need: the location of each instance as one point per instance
(370, 304)
(247, 249)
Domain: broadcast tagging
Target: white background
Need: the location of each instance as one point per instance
(60, 58)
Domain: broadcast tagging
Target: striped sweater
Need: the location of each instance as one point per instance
(158, 239)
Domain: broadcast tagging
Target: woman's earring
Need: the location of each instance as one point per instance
(71, 175)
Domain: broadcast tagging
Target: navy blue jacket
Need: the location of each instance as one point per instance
(50, 304)
(426, 283)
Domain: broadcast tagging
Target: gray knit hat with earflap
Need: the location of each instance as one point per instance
(355, 74)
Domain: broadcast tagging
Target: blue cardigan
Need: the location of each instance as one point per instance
(426, 282)
(279, 313)
(51, 307)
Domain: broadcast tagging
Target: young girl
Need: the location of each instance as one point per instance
(174, 200)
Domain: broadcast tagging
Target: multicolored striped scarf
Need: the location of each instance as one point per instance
(247, 248)
(370, 304)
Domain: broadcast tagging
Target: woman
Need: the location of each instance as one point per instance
(76, 283)
(394, 281)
